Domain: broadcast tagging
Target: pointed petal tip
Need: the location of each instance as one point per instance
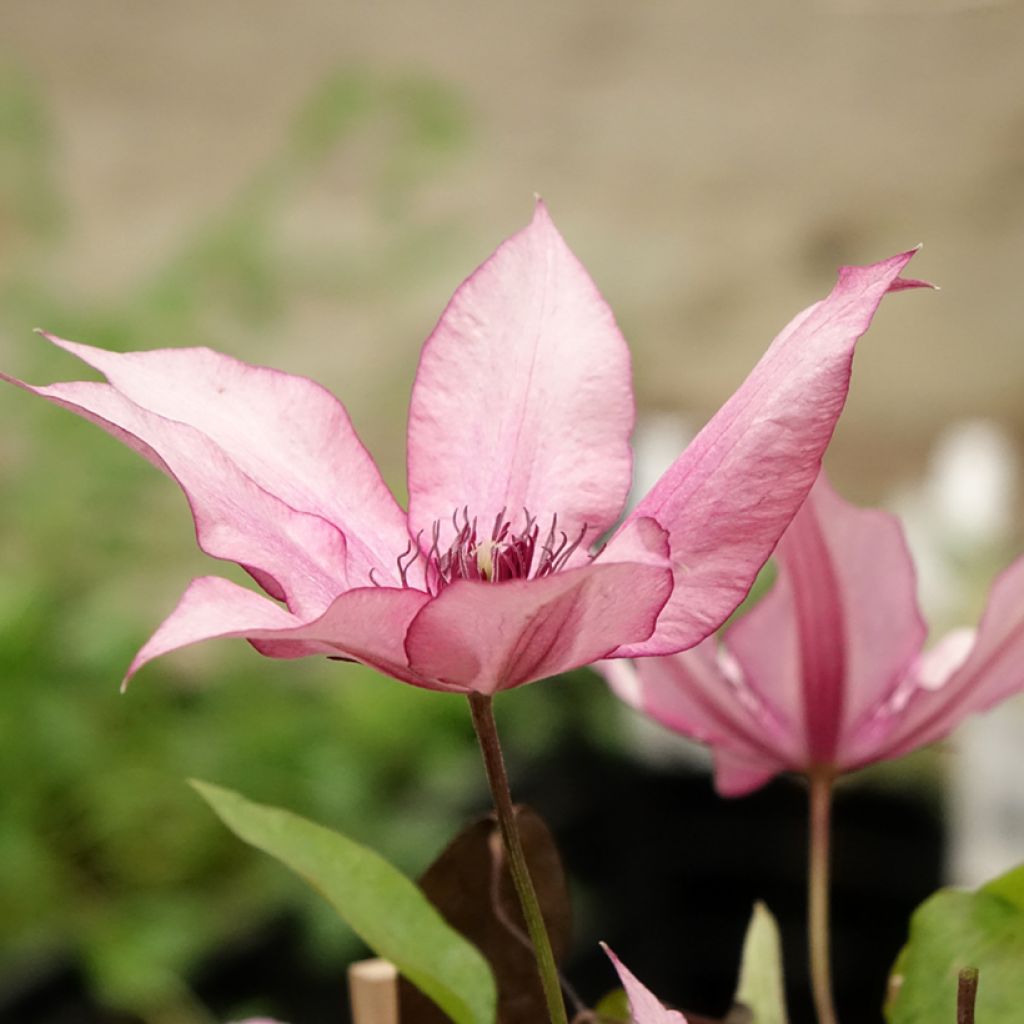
(542, 222)
(906, 283)
(541, 215)
(129, 675)
(55, 339)
(644, 1006)
(884, 271)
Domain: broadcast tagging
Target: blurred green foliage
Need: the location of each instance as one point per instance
(30, 208)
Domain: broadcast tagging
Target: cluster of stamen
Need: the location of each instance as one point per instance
(507, 554)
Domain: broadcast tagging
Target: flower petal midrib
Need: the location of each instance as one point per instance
(821, 635)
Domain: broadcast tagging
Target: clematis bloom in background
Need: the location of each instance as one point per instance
(826, 674)
(519, 460)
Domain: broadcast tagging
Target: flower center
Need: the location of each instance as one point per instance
(506, 554)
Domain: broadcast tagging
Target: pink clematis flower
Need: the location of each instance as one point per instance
(826, 674)
(519, 461)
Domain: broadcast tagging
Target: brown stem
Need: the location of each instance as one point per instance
(966, 993)
(818, 896)
(480, 705)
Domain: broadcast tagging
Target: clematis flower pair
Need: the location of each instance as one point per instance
(519, 461)
(826, 674)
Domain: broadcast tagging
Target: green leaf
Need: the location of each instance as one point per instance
(955, 929)
(1009, 888)
(614, 1006)
(761, 988)
(380, 904)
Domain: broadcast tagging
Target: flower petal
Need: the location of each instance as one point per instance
(736, 776)
(486, 637)
(884, 629)
(990, 673)
(367, 625)
(644, 1007)
(211, 607)
(841, 626)
(286, 433)
(292, 554)
(729, 496)
(523, 396)
(690, 693)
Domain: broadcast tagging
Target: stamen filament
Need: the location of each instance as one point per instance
(508, 554)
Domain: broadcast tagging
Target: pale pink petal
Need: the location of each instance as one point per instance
(212, 607)
(817, 621)
(484, 637)
(641, 541)
(644, 1007)
(292, 554)
(523, 396)
(930, 671)
(992, 672)
(286, 433)
(841, 626)
(367, 625)
(737, 776)
(691, 694)
(763, 642)
(933, 667)
(882, 624)
(729, 496)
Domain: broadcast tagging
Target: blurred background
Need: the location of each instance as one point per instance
(303, 185)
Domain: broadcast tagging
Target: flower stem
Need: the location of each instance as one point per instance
(480, 706)
(818, 896)
(967, 991)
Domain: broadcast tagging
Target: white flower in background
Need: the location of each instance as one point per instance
(960, 514)
(973, 483)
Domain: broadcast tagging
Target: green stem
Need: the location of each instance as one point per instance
(490, 747)
(818, 896)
